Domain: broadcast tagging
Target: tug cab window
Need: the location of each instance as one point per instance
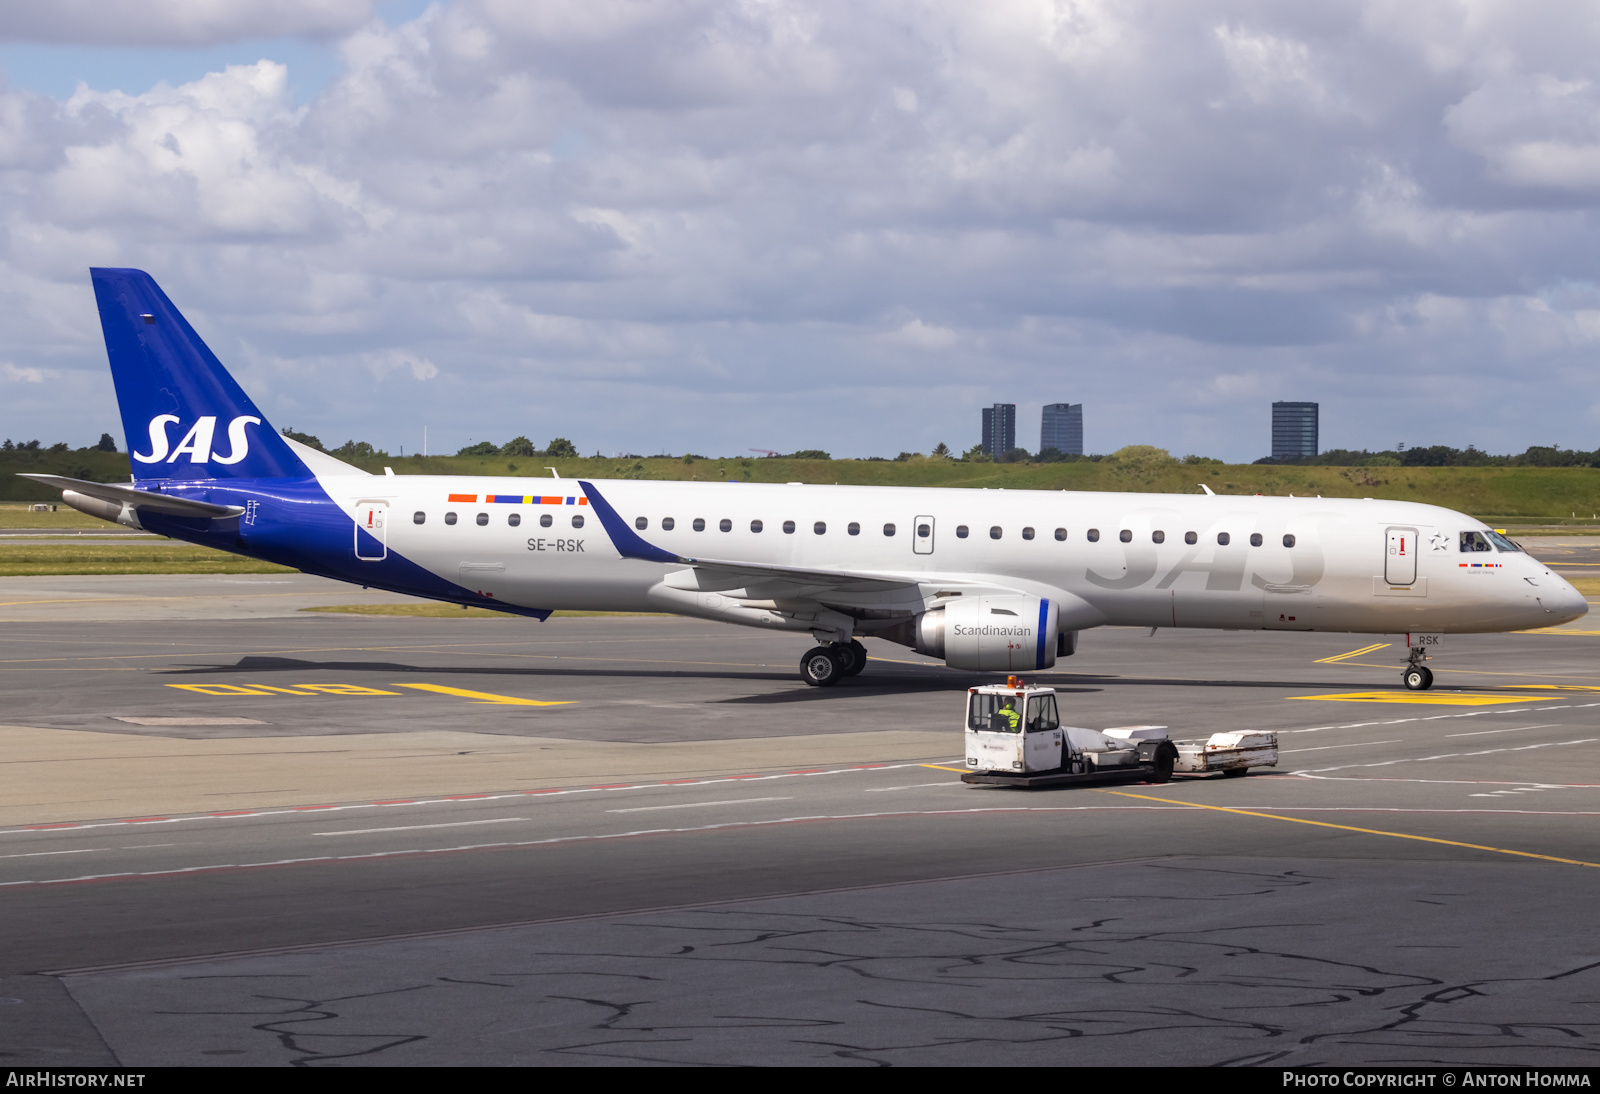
(1041, 715)
(994, 713)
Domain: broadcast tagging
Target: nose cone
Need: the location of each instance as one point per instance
(1560, 601)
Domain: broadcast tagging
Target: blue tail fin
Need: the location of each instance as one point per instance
(184, 416)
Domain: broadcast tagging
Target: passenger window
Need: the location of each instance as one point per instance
(577, 520)
(545, 520)
(788, 527)
(418, 517)
(1158, 537)
(641, 523)
(726, 525)
(1255, 539)
(853, 528)
(483, 518)
(449, 518)
(1474, 541)
(1125, 536)
(755, 526)
(1223, 539)
(1027, 533)
(888, 529)
(668, 524)
(514, 519)
(1190, 538)
(1061, 535)
(699, 524)
(1288, 541)
(1093, 535)
(961, 531)
(820, 528)
(994, 533)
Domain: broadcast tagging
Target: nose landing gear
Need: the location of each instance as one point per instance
(1417, 676)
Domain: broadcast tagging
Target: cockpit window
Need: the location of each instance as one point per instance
(1474, 541)
(1501, 543)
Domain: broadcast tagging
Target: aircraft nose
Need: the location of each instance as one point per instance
(1561, 602)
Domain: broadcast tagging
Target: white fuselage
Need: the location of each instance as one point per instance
(1122, 559)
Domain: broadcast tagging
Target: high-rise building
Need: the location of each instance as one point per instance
(999, 429)
(1061, 428)
(1294, 430)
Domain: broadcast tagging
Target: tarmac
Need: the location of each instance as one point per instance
(234, 832)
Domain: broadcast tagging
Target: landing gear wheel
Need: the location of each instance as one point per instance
(820, 668)
(1165, 759)
(856, 654)
(1418, 678)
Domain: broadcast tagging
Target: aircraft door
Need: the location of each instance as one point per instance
(372, 539)
(922, 536)
(1400, 559)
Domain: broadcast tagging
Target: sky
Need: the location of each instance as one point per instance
(689, 225)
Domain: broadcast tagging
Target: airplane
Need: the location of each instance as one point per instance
(1001, 580)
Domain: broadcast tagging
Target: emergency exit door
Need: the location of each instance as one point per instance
(922, 536)
(1400, 558)
(372, 520)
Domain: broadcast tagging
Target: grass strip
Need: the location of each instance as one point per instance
(71, 559)
(453, 611)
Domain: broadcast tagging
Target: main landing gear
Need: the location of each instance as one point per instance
(1417, 676)
(825, 666)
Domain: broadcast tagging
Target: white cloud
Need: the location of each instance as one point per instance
(12, 374)
(176, 22)
(703, 214)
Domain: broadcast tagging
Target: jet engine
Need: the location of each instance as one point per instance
(987, 633)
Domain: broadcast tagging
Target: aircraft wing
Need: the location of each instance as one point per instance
(139, 499)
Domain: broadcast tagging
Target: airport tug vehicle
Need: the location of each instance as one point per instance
(1015, 738)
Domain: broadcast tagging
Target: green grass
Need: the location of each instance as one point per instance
(54, 560)
(448, 611)
(1502, 496)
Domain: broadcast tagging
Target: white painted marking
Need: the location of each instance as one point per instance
(1456, 755)
(694, 805)
(417, 827)
(1514, 729)
(913, 786)
(41, 854)
(1358, 744)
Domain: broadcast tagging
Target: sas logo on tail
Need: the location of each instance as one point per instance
(197, 442)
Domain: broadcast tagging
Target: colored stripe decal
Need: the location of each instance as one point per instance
(1044, 617)
(519, 499)
(464, 497)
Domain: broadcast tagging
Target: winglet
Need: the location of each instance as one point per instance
(627, 542)
(1209, 492)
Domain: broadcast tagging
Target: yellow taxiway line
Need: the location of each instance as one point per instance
(1352, 828)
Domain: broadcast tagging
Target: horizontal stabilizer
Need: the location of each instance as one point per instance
(139, 499)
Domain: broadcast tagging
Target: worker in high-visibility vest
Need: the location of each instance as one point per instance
(1005, 719)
